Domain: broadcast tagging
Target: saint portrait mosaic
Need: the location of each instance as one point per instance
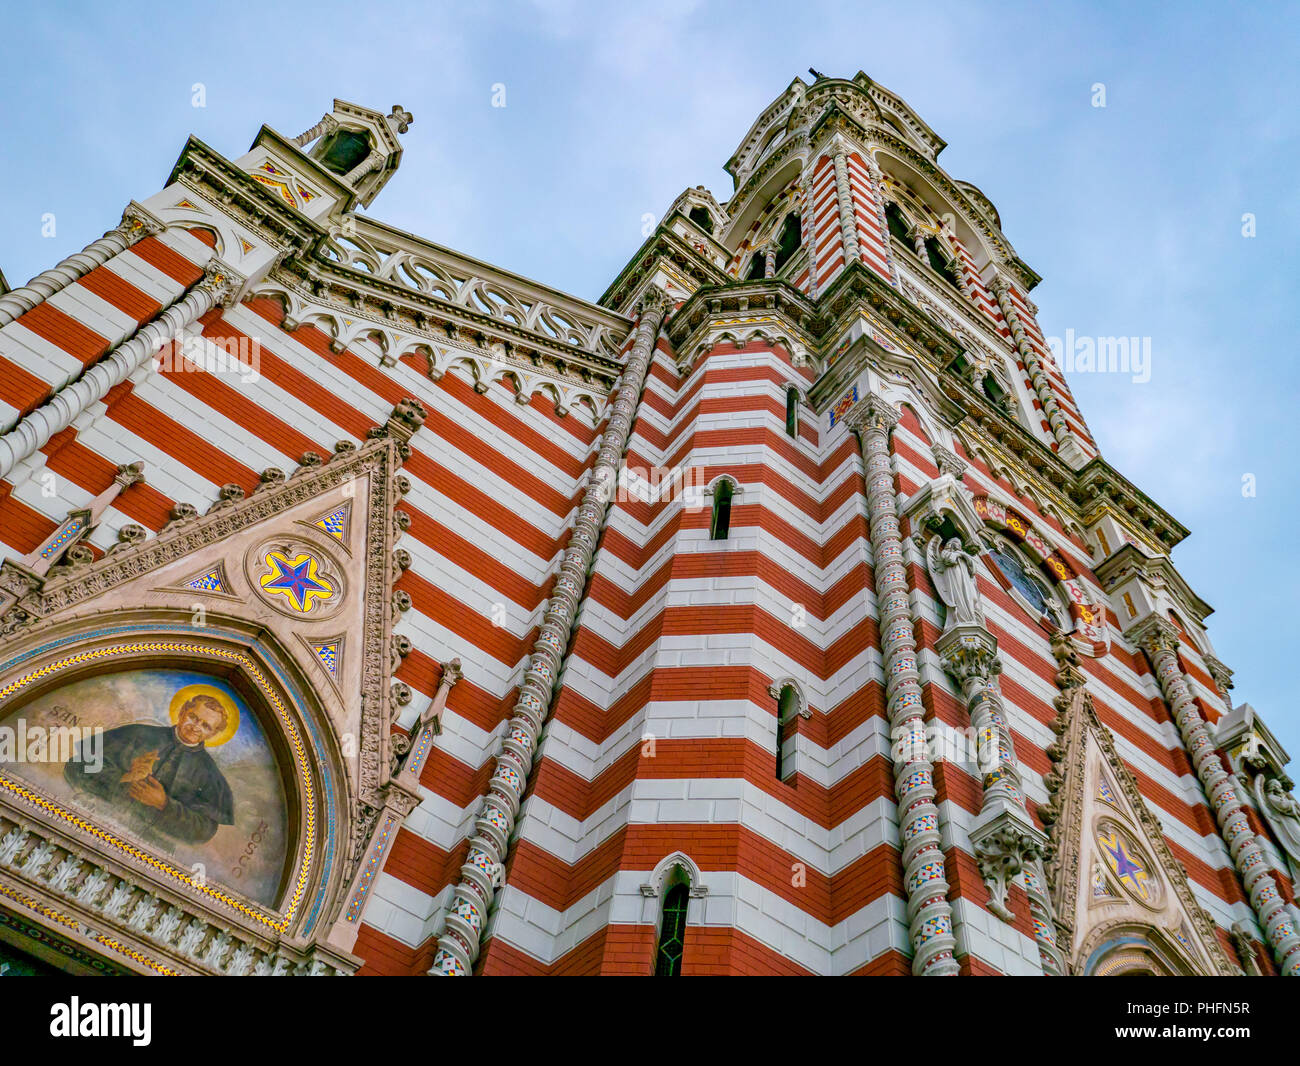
(172, 758)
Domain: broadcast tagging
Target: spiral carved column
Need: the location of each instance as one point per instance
(1042, 387)
(1159, 639)
(848, 220)
(218, 285)
(1007, 845)
(135, 225)
(484, 871)
(878, 185)
(928, 911)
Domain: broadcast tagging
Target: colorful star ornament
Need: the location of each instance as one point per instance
(298, 579)
(1127, 867)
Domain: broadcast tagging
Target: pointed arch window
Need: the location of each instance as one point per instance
(672, 931)
(673, 883)
(792, 412)
(721, 521)
(757, 267)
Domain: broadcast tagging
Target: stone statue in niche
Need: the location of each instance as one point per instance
(1282, 811)
(953, 574)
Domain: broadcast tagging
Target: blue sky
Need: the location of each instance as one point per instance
(1132, 213)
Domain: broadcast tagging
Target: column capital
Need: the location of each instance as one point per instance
(224, 283)
(654, 301)
(139, 222)
(129, 474)
(969, 653)
(1221, 674)
(871, 412)
(948, 462)
(1154, 634)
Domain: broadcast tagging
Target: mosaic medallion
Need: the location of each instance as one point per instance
(1126, 864)
(296, 579)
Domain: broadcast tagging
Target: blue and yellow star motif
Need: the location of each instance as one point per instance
(297, 579)
(1131, 873)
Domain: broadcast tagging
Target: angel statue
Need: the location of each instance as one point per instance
(1283, 814)
(953, 574)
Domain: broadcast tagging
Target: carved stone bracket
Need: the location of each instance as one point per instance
(1005, 842)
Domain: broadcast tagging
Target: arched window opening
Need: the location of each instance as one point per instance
(940, 263)
(721, 522)
(787, 709)
(898, 227)
(757, 267)
(672, 931)
(701, 217)
(343, 150)
(788, 243)
(994, 391)
(792, 412)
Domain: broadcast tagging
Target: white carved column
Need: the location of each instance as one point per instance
(327, 124)
(1042, 387)
(1160, 640)
(808, 228)
(218, 285)
(136, 224)
(878, 186)
(844, 199)
(484, 870)
(928, 911)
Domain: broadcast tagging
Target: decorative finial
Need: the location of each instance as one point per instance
(400, 119)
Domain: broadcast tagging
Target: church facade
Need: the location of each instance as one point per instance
(370, 609)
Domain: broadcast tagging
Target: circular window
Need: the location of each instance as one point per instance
(1031, 586)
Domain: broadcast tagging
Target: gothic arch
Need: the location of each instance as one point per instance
(1128, 949)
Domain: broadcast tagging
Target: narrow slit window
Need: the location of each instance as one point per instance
(672, 932)
(787, 709)
(792, 412)
(721, 523)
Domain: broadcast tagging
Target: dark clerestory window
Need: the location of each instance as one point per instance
(898, 228)
(788, 243)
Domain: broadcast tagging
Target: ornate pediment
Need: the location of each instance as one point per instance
(1122, 900)
(222, 697)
